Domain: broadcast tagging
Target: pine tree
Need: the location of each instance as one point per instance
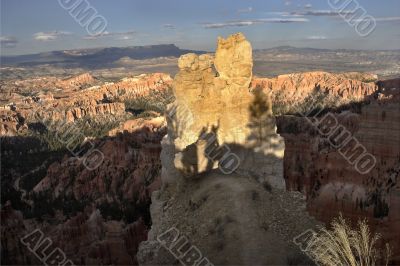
(261, 118)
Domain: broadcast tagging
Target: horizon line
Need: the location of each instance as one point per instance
(169, 44)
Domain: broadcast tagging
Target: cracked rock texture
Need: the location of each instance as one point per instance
(209, 99)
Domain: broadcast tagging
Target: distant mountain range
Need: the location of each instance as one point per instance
(162, 58)
(97, 57)
(104, 57)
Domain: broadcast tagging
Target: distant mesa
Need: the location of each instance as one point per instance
(95, 58)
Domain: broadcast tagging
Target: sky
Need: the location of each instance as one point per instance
(33, 26)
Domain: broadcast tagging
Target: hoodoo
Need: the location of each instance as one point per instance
(229, 217)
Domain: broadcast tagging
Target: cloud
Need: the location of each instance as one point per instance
(388, 19)
(317, 37)
(169, 26)
(308, 6)
(285, 14)
(127, 35)
(97, 36)
(379, 19)
(227, 24)
(246, 10)
(8, 41)
(281, 20)
(288, 3)
(49, 36)
(326, 13)
(244, 23)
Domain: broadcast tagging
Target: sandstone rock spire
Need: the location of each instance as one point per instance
(212, 115)
(234, 60)
(229, 216)
(206, 98)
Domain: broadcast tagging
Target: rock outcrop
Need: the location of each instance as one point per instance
(75, 113)
(230, 218)
(88, 239)
(78, 81)
(139, 86)
(206, 99)
(12, 123)
(217, 105)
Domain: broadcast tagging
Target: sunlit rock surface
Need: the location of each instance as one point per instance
(243, 217)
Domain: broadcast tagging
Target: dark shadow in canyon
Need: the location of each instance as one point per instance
(119, 188)
(20, 155)
(261, 120)
(374, 207)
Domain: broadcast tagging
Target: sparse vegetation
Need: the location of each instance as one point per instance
(110, 211)
(254, 195)
(98, 128)
(156, 101)
(279, 106)
(315, 102)
(345, 246)
(267, 186)
(261, 118)
(128, 211)
(57, 135)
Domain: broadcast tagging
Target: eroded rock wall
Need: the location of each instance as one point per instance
(332, 184)
(70, 103)
(295, 88)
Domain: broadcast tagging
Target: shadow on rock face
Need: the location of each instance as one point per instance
(226, 197)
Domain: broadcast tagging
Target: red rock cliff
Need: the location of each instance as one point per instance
(293, 88)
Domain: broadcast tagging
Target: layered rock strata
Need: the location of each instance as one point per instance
(69, 103)
(295, 88)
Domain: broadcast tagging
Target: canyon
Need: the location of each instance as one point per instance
(332, 183)
(293, 88)
(95, 216)
(169, 161)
